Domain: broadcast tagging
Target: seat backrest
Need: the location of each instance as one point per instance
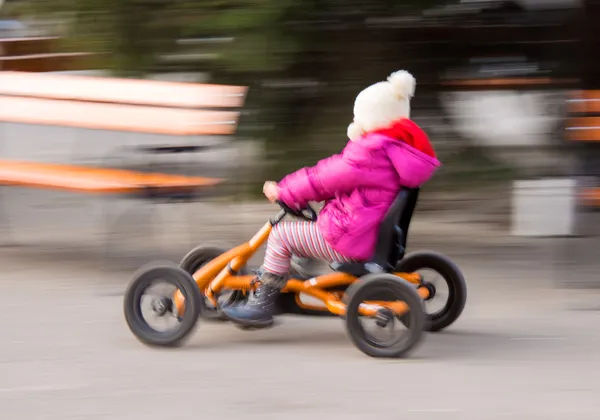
(393, 231)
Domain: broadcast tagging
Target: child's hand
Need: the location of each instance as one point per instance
(271, 191)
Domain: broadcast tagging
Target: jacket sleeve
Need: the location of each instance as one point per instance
(320, 182)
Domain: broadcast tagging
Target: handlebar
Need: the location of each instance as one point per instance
(308, 213)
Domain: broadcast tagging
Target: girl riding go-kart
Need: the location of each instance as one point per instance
(370, 191)
(386, 151)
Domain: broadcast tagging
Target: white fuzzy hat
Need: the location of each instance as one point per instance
(379, 105)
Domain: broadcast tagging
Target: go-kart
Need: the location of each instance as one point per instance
(389, 290)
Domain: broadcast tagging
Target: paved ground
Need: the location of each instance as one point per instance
(522, 350)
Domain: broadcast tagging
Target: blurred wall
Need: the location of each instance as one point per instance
(521, 128)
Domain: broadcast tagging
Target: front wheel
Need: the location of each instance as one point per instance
(161, 325)
(392, 337)
(446, 305)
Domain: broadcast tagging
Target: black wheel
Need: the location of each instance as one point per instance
(449, 294)
(196, 259)
(389, 288)
(161, 305)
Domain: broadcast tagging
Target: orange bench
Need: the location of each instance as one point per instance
(113, 104)
(177, 109)
(95, 180)
(583, 127)
(119, 104)
(591, 197)
(584, 121)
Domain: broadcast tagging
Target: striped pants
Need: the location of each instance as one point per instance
(302, 239)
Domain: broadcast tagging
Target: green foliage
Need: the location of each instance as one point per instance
(267, 35)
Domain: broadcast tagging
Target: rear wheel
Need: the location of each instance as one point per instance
(160, 324)
(195, 260)
(392, 337)
(442, 276)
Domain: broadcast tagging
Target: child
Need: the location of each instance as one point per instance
(386, 151)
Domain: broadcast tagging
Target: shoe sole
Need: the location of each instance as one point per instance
(252, 324)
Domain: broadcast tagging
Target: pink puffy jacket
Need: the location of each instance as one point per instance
(360, 184)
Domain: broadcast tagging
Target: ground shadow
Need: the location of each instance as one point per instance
(449, 345)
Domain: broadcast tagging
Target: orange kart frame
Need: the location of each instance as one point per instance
(221, 274)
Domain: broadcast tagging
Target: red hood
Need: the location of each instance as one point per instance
(410, 133)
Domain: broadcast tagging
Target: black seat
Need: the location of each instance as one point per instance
(391, 243)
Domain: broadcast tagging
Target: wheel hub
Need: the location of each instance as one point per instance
(161, 306)
(384, 317)
(430, 288)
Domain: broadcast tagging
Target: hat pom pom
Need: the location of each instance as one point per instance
(403, 84)
(354, 131)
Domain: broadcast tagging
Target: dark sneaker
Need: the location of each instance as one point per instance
(260, 307)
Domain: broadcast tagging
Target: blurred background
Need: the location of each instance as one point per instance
(506, 91)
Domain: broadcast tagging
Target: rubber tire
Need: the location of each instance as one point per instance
(457, 286)
(403, 290)
(193, 261)
(174, 275)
